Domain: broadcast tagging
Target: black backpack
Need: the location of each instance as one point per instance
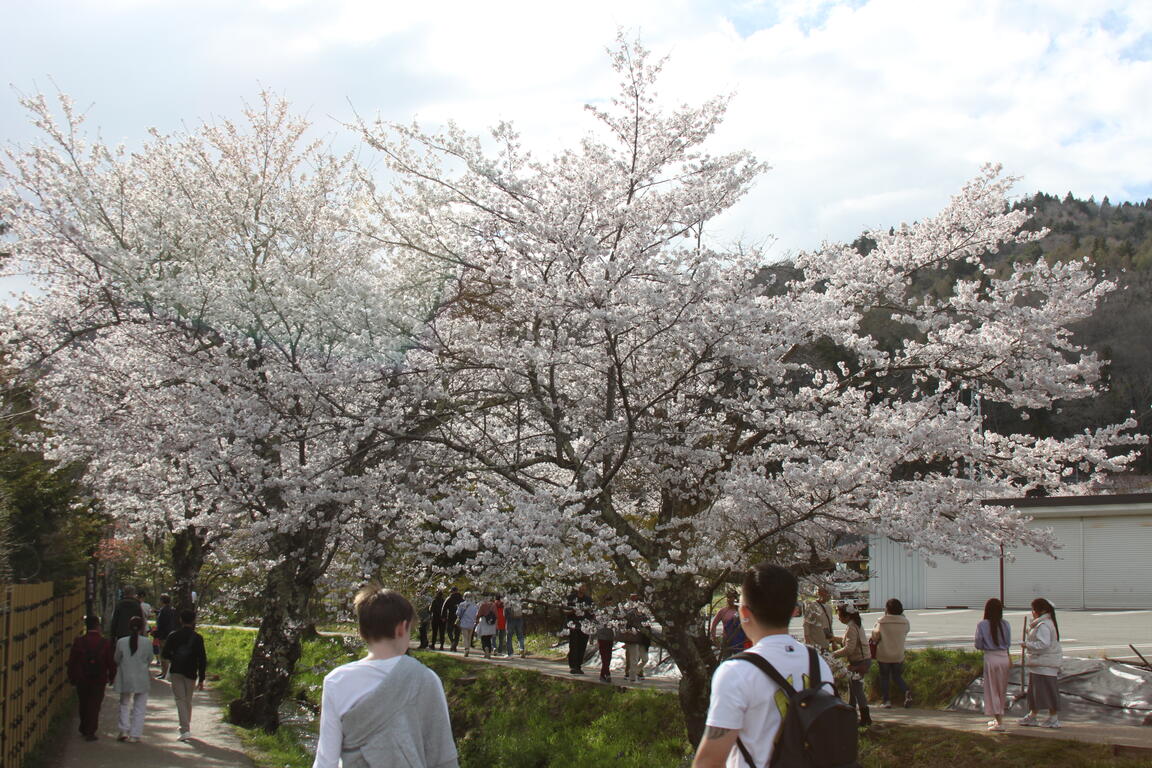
(819, 729)
(184, 654)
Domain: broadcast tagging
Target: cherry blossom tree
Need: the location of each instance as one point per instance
(220, 336)
(634, 405)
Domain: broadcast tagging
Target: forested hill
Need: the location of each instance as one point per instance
(1118, 241)
(1115, 237)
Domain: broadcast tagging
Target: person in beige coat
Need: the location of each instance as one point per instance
(889, 636)
(818, 621)
(855, 652)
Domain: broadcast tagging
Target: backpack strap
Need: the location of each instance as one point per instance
(766, 667)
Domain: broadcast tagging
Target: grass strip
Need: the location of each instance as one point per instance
(503, 717)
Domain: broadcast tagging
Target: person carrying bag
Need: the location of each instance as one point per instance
(854, 651)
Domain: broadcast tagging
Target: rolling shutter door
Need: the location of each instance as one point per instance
(966, 584)
(1118, 567)
(1034, 574)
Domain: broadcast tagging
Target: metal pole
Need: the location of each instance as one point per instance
(1024, 662)
(1001, 575)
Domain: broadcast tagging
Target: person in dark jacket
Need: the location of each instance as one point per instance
(128, 607)
(437, 609)
(90, 669)
(578, 611)
(184, 650)
(449, 615)
(167, 621)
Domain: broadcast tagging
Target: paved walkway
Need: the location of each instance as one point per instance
(214, 744)
(1123, 738)
(559, 668)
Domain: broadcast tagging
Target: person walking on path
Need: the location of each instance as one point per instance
(437, 610)
(128, 607)
(501, 626)
(133, 653)
(994, 638)
(578, 609)
(452, 618)
(514, 617)
(743, 711)
(605, 640)
(818, 622)
(91, 666)
(486, 625)
(188, 666)
(424, 615)
(1044, 657)
(635, 638)
(889, 636)
(166, 623)
(855, 652)
(466, 613)
(386, 709)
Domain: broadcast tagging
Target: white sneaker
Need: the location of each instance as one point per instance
(133, 740)
(1028, 720)
(184, 736)
(1052, 722)
(996, 727)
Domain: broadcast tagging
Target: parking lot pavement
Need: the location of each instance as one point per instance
(1084, 634)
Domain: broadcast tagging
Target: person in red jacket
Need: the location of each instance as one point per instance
(91, 669)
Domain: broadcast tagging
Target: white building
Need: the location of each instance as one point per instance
(1103, 561)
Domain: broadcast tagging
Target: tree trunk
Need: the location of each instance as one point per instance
(676, 606)
(288, 590)
(694, 658)
(188, 553)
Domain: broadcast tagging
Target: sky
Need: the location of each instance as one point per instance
(869, 112)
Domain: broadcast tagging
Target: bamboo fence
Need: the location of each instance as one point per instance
(36, 633)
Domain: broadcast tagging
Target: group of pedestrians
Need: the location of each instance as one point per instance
(460, 618)
(1042, 657)
(122, 661)
(627, 622)
(388, 705)
(747, 709)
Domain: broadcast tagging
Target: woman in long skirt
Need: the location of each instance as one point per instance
(1042, 644)
(994, 637)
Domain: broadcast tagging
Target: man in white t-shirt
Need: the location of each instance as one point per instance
(745, 703)
(386, 703)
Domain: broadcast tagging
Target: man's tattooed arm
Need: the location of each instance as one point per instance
(712, 732)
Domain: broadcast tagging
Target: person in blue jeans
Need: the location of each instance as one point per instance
(889, 636)
(514, 621)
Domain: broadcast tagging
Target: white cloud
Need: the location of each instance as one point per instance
(869, 112)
